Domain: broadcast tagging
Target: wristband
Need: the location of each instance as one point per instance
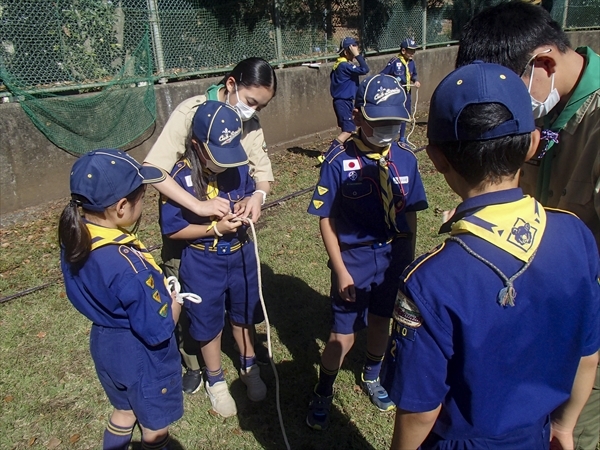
(264, 195)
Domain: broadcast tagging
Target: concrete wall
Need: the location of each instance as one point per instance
(34, 171)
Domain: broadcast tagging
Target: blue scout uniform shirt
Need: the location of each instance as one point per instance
(233, 184)
(120, 286)
(349, 191)
(396, 68)
(495, 369)
(345, 77)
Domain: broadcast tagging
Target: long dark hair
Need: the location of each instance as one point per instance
(199, 181)
(73, 236)
(253, 72)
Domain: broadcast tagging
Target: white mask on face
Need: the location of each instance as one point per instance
(383, 135)
(213, 167)
(245, 112)
(540, 109)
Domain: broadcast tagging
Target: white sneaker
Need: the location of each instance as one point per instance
(220, 398)
(256, 388)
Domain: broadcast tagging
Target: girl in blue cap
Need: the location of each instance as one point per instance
(217, 264)
(112, 279)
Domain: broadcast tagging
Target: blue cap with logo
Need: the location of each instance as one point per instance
(478, 83)
(105, 176)
(219, 127)
(409, 43)
(347, 42)
(380, 97)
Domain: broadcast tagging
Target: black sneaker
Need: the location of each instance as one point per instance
(192, 380)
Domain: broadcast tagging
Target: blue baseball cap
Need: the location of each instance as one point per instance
(478, 83)
(409, 43)
(347, 42)
(219, 127)
(380, 97)
(105, 176)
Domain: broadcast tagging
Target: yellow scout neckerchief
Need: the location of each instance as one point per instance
(340, 60)
(102, 236)
(515, 227)
(406, 70)
(387, 195)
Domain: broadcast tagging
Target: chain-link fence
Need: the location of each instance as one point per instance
(76, 44)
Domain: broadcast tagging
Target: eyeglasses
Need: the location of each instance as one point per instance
(532, 59)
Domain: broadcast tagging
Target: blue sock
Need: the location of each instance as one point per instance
(326, 380)
(163, 444)
(247, 361)
(215, 377)
(372, 367)
(116, 437)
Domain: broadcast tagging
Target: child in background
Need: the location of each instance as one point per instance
(367, 196)
(404, 69)
(496, 331)
(113, 280)
(344, 83)
(216, 263)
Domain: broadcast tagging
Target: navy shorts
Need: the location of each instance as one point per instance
(376, 272)
(343, 113)
(137, 377)
(226, 282)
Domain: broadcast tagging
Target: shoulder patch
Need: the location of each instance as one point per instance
(156, 296)
(406, 311)
(322, 190)
(150, 282)
(134, 258)
(317, 203)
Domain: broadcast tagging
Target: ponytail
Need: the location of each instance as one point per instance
(199, 181)
(73, 236)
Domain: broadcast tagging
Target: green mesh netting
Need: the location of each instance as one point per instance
(113, 117)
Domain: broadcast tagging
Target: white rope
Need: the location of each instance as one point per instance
(174, 286)
(267, 324)
(412, 115)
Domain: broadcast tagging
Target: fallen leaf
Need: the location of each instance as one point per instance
(212, 412)
(237, 431)
(53, 443)
(31, 441)
(8, 399)
(41, 334)
(357, 388)
(62, 294)
(6, 244)
(74, 438)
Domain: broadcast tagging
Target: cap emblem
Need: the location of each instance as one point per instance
(227, 135)
(383, 94)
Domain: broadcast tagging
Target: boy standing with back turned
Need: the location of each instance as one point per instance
(495, 332)
(367, 196)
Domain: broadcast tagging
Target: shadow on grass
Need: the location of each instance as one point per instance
(174, 444)
(300, 316)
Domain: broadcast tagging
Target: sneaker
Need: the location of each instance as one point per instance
(378, 395)
(192, 380)
(318, 411)
(256, 388)
(220, 398)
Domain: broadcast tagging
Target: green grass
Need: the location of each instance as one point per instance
(49, 393)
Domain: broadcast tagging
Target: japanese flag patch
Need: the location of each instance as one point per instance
(351, 164)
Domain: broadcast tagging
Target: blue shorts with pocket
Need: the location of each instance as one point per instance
(137, 377)
(226, 282)
(343, 112)
(376, 271)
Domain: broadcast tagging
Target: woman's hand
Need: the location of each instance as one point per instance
(250, 207)
(217, 206)
(229, 224)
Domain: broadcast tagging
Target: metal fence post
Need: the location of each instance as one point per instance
(278, 39)
(565, 11)
(156, 37)
(424, 19)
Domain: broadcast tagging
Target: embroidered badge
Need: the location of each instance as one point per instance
(164, 309)
(150, 282)
(317, 204)
(522, 234)
(188, 181)
(406, 312)
(350, 164)
(383, 94)
(322, 190)
(405, 332)
(352, 175)
(156, 296)
(227, 135)
(400, 180)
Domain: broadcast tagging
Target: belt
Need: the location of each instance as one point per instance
(375, 244)
(222, 248)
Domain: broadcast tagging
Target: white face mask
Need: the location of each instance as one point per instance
(213, 167)
(540, 109)
(245, 112)
(384, 135)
